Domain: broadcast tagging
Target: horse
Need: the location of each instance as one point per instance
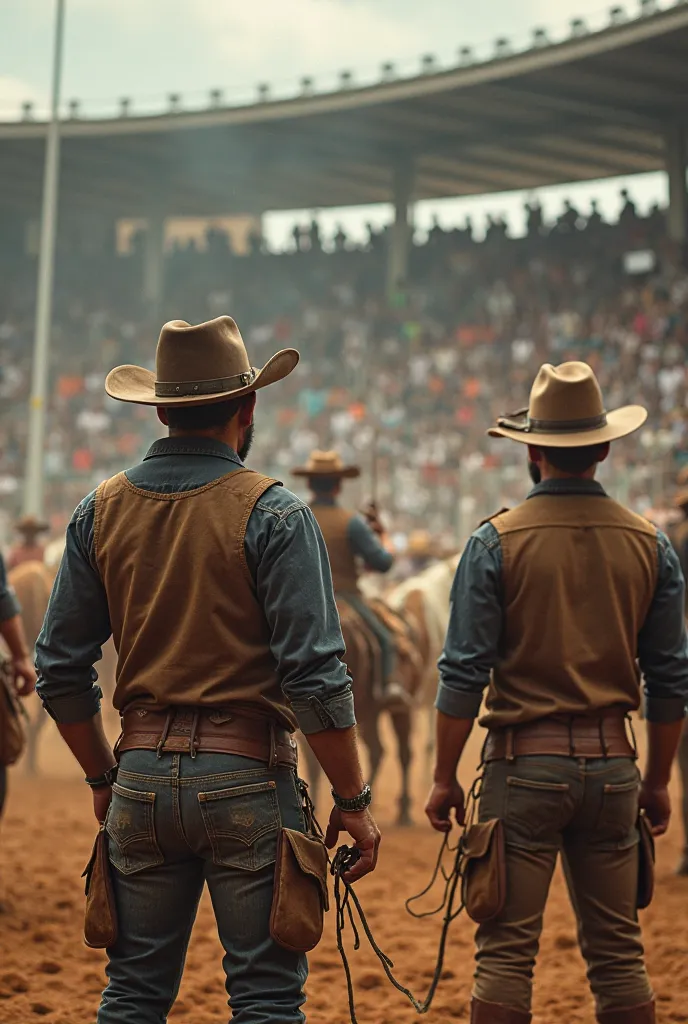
(32, 582)
(425, 598)
(417, 611)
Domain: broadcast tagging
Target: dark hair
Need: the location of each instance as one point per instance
(574, 460)
(203, 417)
(323, 484)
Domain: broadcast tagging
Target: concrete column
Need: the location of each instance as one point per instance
(401, 229)
(153, 261)
(676, 158)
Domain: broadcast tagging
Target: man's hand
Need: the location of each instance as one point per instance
(102, 796)
(24, 675)
(656, 803)
(366, 836)
(373, 518)
(441, 800)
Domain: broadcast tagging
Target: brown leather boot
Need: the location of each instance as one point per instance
(644, 1014)
(497, 1013)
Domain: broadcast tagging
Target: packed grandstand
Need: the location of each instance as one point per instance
(410, 383)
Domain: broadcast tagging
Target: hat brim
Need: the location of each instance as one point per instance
(136, 384)
(681, 498)
(40, 527)
(620, 423)
(346, 472)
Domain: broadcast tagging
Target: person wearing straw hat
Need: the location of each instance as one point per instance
(28, 549)
(352, 540)
(215, 583)
(552, 603)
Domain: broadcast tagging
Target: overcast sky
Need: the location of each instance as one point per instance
(148, 48)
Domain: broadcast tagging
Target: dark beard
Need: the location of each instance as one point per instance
(246, 446)
(535, 474)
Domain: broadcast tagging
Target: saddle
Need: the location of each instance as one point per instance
(408, 662)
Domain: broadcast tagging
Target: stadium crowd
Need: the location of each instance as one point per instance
(409, 381)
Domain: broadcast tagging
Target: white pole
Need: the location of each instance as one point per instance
(33, 492)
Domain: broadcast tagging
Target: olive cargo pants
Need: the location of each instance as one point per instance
(587, 810)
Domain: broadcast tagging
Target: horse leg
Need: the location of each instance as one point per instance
(33, 730)
(401, 721)
(683, 769)
(430, 741)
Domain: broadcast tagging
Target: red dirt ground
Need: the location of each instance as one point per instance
(47, 973)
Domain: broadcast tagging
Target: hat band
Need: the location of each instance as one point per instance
(567, 426)
(184, 388)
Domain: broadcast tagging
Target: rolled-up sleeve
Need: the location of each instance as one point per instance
(663, 643)
(365, 543)
(9, 606)
(294, 586)
(76, 626)
(475, 626)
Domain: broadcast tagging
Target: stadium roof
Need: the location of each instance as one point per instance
(594, 106)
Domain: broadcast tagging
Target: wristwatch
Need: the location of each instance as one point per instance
(106, 779)
(354, 803)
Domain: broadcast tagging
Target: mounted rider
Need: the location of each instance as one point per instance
(352, 540)
(29, 548)
(552, 604)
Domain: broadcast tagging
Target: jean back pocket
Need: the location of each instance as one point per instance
(242, 823)
(130, 827)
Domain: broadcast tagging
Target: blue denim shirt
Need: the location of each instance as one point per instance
(476, 613)
(287, 558)
(364, 542)
(9, 606)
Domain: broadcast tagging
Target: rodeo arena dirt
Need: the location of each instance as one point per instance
(47, 973)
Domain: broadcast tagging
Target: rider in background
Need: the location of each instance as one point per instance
(352, 540)
(29, 548)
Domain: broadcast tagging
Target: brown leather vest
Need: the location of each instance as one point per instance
(578, 578)
(186, 621)
(334, 524)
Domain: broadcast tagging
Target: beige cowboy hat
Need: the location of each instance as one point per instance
(31, 525)
(420, 544)
(681, 498)
(327, 464)
(197, 364)
(566, 410)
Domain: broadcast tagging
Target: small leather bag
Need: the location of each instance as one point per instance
(12, 717)
(483, 886)
(646, 863)
(100, 923)
(300, 895)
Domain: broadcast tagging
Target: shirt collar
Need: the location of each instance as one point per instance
(569, 485)
(192, 446)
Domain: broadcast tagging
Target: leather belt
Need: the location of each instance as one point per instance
(574, 736)
(193, 730)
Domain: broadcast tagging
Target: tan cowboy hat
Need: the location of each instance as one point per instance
(567, 411)
(31, 525)
(197, 364)
(682, 476)
(420, 544)
(681, 498)
(327, 464)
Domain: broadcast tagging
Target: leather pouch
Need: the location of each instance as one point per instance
(12, 718)
(100, 923)
(483, 886)
(646, 863)
(300, 895)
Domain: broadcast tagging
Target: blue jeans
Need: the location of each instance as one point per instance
(175, 823)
